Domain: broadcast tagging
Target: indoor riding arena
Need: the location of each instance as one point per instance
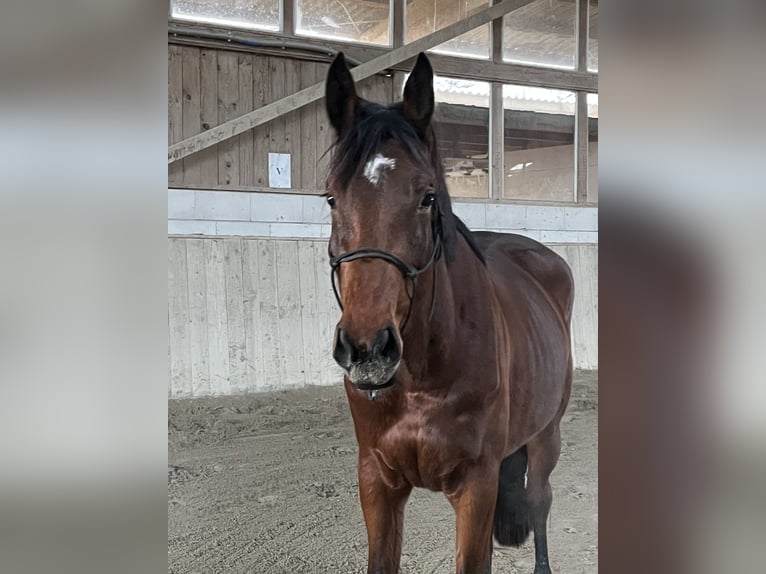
(262, 452)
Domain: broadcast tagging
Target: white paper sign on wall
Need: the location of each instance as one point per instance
(279, 170)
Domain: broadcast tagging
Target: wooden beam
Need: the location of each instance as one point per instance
(299, 99)
(445, 65)
(482, 70)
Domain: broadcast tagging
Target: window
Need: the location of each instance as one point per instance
(257, 14)
(367, 22)
(539, 144)
(593, 37)
(462, 134)
(541, 33)
(425, 17)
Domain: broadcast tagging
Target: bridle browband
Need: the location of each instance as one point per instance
(410, 272)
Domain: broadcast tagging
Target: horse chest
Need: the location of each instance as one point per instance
(428, 452)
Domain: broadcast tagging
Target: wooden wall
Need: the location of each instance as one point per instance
(248, 315)
(207, 87)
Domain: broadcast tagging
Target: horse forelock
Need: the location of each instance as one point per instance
(356, 153)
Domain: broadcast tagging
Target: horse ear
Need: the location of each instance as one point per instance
(340, 95)
(418, 99)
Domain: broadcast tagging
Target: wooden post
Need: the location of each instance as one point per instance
(581, 34)
(581, 148)
(496, 141)
(581, 113)
(399, 32)
(496, 117)
(288, 16)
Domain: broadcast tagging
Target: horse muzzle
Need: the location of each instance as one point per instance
(369, 365)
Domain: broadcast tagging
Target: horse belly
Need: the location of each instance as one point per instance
(540, 365)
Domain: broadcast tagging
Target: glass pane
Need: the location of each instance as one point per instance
(258, 14)
(541, 33)
(539, 144)
(425, 17)
(592, 148)
(366, 22)
(593, 37)
(462, 134)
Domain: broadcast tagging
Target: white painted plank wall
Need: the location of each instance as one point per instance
(249, 315)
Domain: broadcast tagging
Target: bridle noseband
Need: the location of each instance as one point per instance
(409, 272)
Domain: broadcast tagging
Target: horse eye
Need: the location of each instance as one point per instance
(331, 201)
(427, 201)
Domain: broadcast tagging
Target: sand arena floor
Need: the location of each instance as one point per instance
(267, 484)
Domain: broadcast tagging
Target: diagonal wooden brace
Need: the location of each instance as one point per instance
(313, 93)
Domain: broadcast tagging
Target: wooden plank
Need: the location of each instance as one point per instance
(292, 79)
(329, 315)
(308, 144)
(179, 335)
(175, 110)
(271, 334)
(208, 159)
(295, 101)
(235, 313)
(277, 142)
(289, 301)
(246, 159)
(190, 109)
(382, 89)
(313, 335)
(253, 377)
(325, 135)
(564, 252)
(589, 264)
(579, 323)
(195, 262)
(217, 319)
(228, 108)
(261, 134)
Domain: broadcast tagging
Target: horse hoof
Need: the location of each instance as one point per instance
(543, 570)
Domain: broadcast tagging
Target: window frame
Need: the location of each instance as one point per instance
(516, 74)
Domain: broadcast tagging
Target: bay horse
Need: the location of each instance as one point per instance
(455, 345)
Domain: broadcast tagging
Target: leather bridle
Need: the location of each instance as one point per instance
(410, 272)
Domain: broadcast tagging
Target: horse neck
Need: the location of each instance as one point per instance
(431, 346)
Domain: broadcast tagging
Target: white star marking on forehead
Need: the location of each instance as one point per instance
(373, 171)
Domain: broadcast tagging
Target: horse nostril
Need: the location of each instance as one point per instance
(386, 346)
(344, 353)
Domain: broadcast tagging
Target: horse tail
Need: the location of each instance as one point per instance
(512, 515)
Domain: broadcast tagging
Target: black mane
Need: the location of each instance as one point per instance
(375, 125)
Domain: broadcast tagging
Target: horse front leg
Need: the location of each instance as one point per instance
(474, 504)
(383, 503)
